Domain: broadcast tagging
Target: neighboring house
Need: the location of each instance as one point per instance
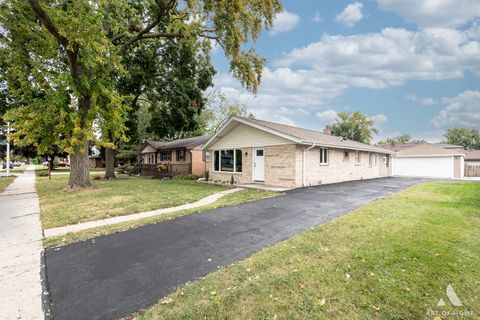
(183, 156)
(429, 160)
(472, 163)
(257, 151)
(94, 159)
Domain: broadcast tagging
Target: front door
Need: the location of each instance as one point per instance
(258, 165)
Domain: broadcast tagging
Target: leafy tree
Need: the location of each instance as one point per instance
(404, 138)
(217, 110)
(467, 138)
(72, 51)
(354, 126)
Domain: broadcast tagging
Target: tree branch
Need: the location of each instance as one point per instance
(158, 19)
(48, 23)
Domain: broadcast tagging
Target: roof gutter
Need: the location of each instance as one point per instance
(338, 146)
(305, 163)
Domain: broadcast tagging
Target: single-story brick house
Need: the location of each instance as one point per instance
(182, 156)
(436, 160)
(257, 151)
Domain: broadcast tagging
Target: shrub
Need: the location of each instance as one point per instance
(207, 175)
(41, 173)
(232, 180)
(97, 177)
(185, 177)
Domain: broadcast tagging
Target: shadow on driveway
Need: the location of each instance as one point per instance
(113, 276)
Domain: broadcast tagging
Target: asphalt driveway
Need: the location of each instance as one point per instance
(113, 276)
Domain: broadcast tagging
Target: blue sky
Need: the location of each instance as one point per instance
(413, 66)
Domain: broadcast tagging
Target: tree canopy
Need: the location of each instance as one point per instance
(467, 138)
(354, 126)
(64, 60)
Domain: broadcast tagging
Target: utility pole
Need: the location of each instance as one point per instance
(8, 149)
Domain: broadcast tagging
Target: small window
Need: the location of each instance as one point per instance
(206, 155)
(388, 161)
(166, 156)
(216, 161)
(151, 158)
(238, 160)
(370, 159)
(346, 155)
(260, 153)
(323, 156)
(180, 155)
(358, 158)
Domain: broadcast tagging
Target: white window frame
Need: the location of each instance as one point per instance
(358, 158)
(220, 161)
(324, 154)
(151, 158)
(370, 159)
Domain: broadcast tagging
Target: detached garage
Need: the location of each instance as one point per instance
(428, 160)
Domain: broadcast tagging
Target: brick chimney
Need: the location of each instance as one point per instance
(327, 130)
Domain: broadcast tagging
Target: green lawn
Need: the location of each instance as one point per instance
(5, 182)
(228, 200)
(391, 259)
(109, 198)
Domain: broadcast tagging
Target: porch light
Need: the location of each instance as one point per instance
(246, 153)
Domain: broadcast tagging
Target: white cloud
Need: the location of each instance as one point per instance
(423, 102)
(317, 17)
(379, 118)
(461, 111)
(351, 14)
(285, 21)
(436, 13)
(326, 117)
(391, 57)
(309, 78)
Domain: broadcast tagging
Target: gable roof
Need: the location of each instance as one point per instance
(428, 149)
(187, 143)
(472, 155)
(294, 134)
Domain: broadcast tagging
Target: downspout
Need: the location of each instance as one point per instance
(305, 163)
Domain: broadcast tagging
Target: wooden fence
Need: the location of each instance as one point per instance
(472, 170)
(166, 170)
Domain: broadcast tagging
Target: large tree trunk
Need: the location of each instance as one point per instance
(109, 163)
(79, 173)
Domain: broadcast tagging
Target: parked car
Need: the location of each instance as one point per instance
(63, 164)
(5, 165)
(17, 164)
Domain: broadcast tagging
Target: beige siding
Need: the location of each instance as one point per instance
(148, 149)
(243, 136)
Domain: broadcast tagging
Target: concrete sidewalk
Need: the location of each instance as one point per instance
(20, 250)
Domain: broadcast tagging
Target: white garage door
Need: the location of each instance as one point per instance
(435, 167)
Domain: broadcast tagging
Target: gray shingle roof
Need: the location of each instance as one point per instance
(427, 149)
(320, 138)
(187, 143)
(472, 155)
